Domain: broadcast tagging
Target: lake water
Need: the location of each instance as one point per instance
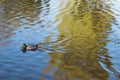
(86, 35)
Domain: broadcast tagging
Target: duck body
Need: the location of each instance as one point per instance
(32, 47)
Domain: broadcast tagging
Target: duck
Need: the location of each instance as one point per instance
(40, 46)
(31, 47)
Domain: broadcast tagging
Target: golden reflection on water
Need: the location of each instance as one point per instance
(85, 26)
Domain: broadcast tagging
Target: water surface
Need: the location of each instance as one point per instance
(86, 35)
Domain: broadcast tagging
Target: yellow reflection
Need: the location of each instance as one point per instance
(84, 24)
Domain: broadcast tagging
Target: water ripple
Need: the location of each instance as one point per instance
(91, 26)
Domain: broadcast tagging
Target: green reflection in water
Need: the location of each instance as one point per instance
(85, 26)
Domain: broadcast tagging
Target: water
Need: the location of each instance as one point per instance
(90, 28)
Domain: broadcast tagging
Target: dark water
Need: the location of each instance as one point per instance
(90, 28)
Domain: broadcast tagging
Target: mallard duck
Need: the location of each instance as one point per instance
(31, 47)
(41, 46)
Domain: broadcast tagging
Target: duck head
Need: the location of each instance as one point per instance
(23, 47)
